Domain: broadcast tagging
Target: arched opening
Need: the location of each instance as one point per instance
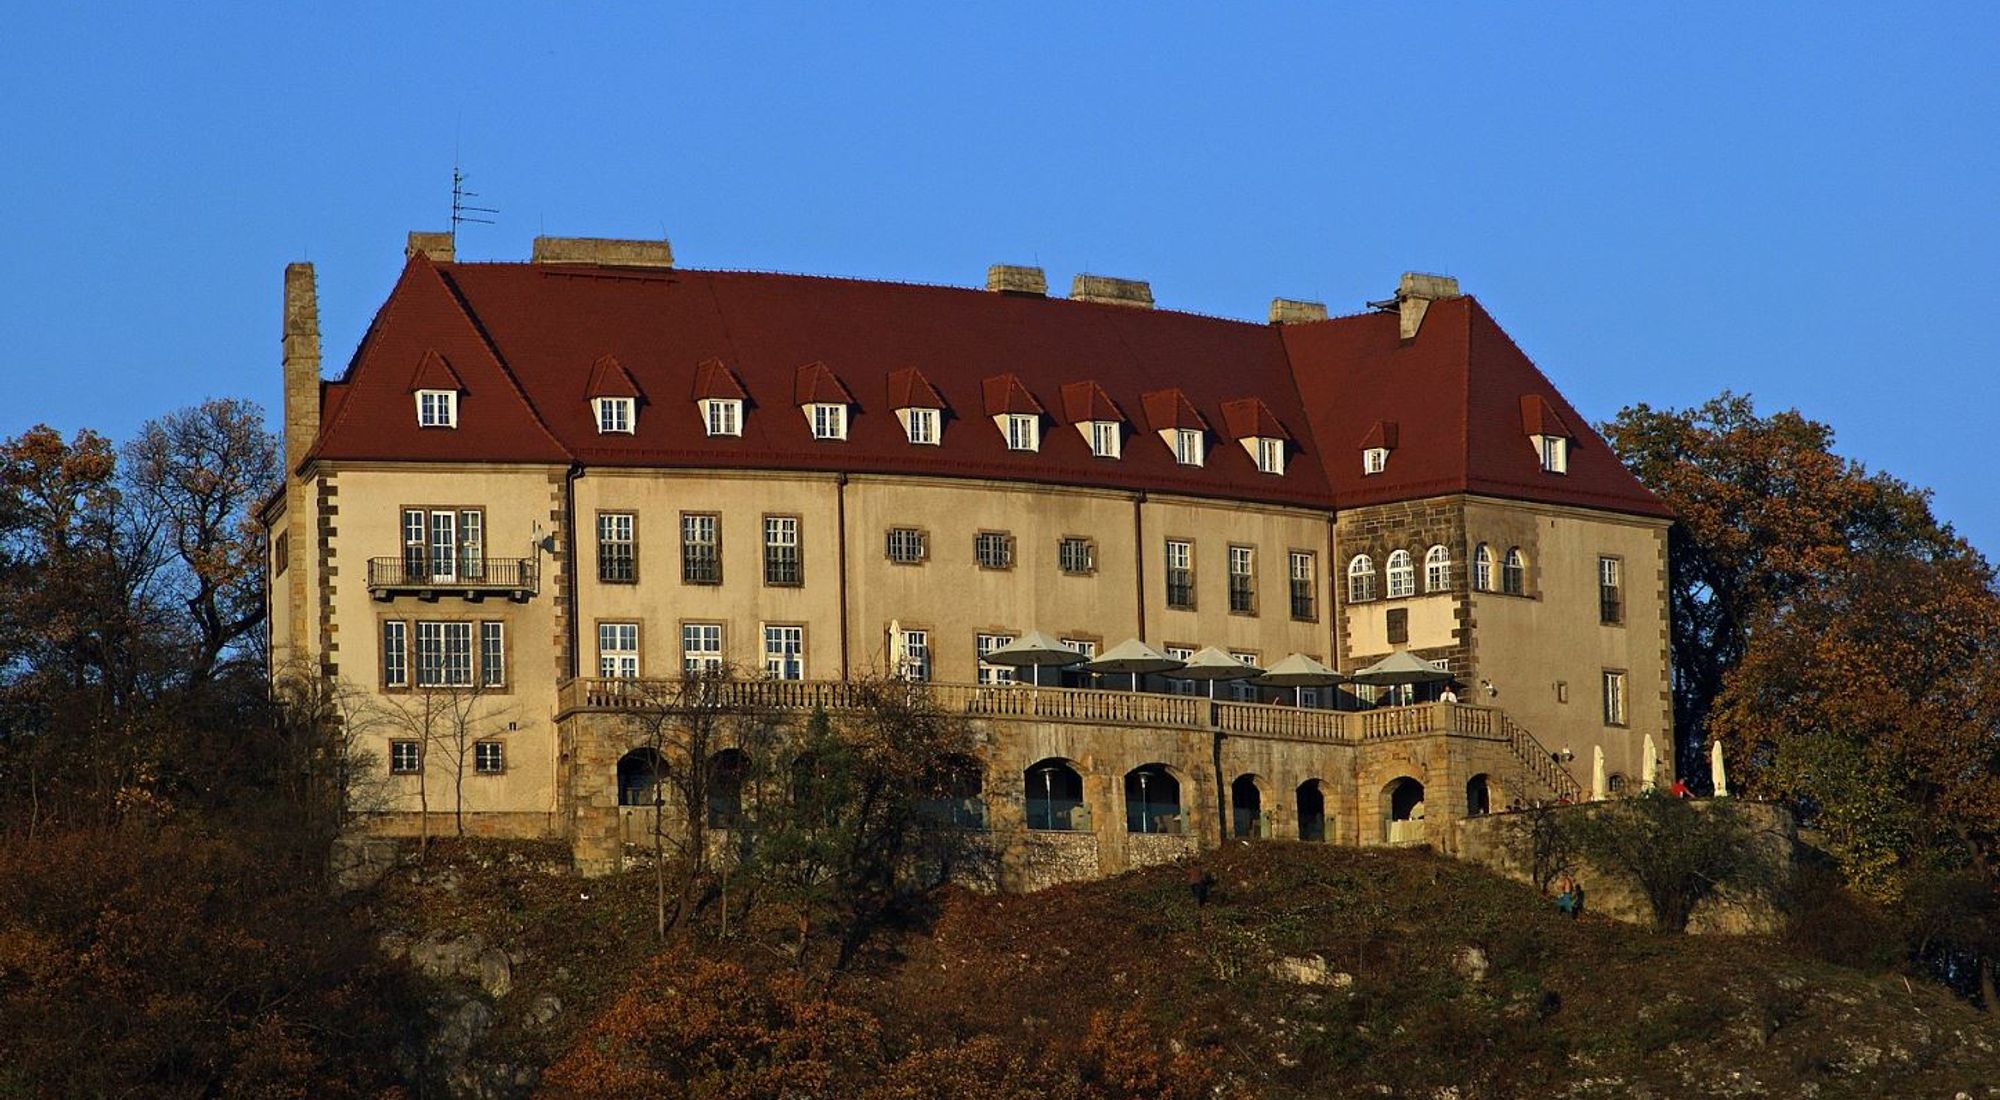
(639, 773)
(1403, 810)
(726, 772)
(1617, 783)
(1152, 800)
(1478, 797)
(1055, 797)
(1312, 810)
(958, 793)
(1246, 802)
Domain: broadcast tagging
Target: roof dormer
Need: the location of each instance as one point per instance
(1548, 432)
(1097, 418)
(1173, 417)
(720, 396)
(824, 399)
(1376, 445)
(436, 388)
(918, 405)
(613, 396)
(1253, 425)
(1015, 412)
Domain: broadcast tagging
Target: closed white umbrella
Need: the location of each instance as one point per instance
(1133, 657)
(1033, 650)
(1649, 768)
(1212, 664)
(1717, 774)
(1599, 786)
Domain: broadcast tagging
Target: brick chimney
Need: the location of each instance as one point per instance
(1010, 279)
(301, 357)
(1291, 311)
(1106, 290)
(1415, 294)
(440, 247)
(604, 251)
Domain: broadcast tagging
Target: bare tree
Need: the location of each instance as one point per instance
(447, 721)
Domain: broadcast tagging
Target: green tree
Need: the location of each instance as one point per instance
(1678, 852)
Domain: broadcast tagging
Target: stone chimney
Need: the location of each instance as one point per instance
(604, 251)
(1111, 292)
(1291, 311)
(1009, 279)
(301, 343)
(1415, 294)
(440, 247)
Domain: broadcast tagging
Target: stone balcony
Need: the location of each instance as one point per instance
(513, 578)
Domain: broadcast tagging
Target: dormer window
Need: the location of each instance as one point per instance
(1554, 450)
(1024, 432)
(921, 425)
(1270, 455)
(723, 415)
(1547, 431)
(1105, 438)
(829, 421)
(614, 414)
(1374, 460)
(1187, 446)
(437, 408)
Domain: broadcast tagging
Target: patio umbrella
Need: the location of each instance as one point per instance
(1133, 657)
(1400, 669)
(1034, 649)
(1212, 664)
(1299, 671)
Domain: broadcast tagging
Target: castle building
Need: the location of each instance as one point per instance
(538, 483)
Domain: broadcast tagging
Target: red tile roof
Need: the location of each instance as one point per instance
(1383, 434)
(1086, 401)
(1537, 418)
(433, 373)
(519, 337)
(1248, 417)
(816, 384)
(608, 379)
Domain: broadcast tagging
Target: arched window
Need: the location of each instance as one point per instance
(639, 777)
(1402, 575)
(1482, 569)
(1312, 811)
(956, 793)
(1437, 569)
(1514, 573)
(1246, 802)
(1055, 796)
(1361, 579)
(1152, 800)
(726, 772)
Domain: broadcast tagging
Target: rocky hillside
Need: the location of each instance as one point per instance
(1311, 972)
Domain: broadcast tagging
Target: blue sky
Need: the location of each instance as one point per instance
(1658, 201)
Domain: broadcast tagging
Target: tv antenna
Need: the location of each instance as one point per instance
(460, 211)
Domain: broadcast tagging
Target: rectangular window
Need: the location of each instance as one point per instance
(1305, 585)
(618, 650)
(443, 544)
(1270, 455)
(395, 653)
(617, 550)
(701, 548)
(1614, 698)
(923, 425)
(905, 545)
(829, 421)
(1187, 446)
(1023, 432)
(1399, 626)
(1075, 555)
(280, 553)
(1555, 454)
(1105, 438)
(492, 655)
(784, 652)
(472, 544)
(913, 662)
(614, 414)
(1175, 686)
(1374, 460)
(724, 416)
(1243, 690)
(437, 408)
(1242, 580)
(1180, 574)
(444, 654)
(701, 648)
(993, 550)
(988, 673)
(1076, 676)
(416, 542)
(1610, 591)
(405, 757)
(488, 757)
(782, 565)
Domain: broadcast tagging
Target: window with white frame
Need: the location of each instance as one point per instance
(701, 648)
(1554, 450)
(1106, 439)
(1076, 555)
(1402, 575)
(913, 660)
(1437, 569)
(701, 548)
(1177, 685)
(1188, 446)
(1482, 568)
(614, 415)
(1243, 690)
(782, 564)
(1304, 572)
(1024, 432)
(1270, 455)
(618, 650)
(1374, 460)
(1360, 579)
(405, 757)
(1614, 697)
(1610, 591)
(922, 425)
(488, 757)
(723, 415)
(492, 655)
(829, 420)
(991, 673)
(395, 653)
(443, 544)
(437, 408)
(1180, 574)
(784, 652)
(1514, 573)
(993, 550)
(905, 545)
(444, 655)
(617, 552)
(1242, 580)
(1077, 676)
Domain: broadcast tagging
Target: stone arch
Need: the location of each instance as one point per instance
(727, 771)
(1403, 809)
(1311, 797)
(959, 793)
(1153, 800)
(1478, 795)
(1246, 807)
(1054, 791)
(639, 773)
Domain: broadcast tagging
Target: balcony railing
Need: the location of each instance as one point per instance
(511, 577)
